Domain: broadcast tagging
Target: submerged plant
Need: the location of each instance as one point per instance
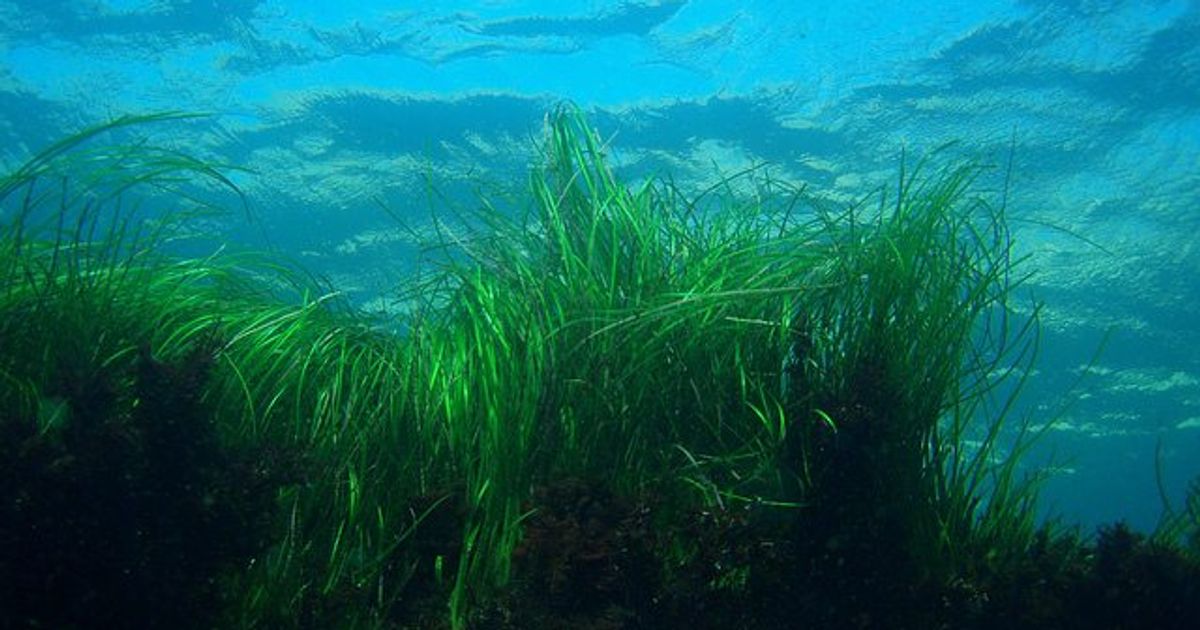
(816, 393)
(121, 499)
(174, 412)
(760, 351)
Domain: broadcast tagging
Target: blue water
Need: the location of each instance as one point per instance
(335, 105)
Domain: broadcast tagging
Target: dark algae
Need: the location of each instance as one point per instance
(129, 508)
(623, 407)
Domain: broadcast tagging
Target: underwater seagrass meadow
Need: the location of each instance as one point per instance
(628, 405)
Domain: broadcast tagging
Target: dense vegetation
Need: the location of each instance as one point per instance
(624, 407)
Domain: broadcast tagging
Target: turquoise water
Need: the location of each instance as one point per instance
(335, 105)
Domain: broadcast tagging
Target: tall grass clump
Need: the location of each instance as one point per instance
(101, 394)
(189, 440)
(907, 355)
(842, 372)
(734, 349)
(609, 333)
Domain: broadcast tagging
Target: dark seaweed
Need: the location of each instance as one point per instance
(133, 509)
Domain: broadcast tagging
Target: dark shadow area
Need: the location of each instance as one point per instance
(628, 18)
(1163, 76)
(395, 125)
(747, 122)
